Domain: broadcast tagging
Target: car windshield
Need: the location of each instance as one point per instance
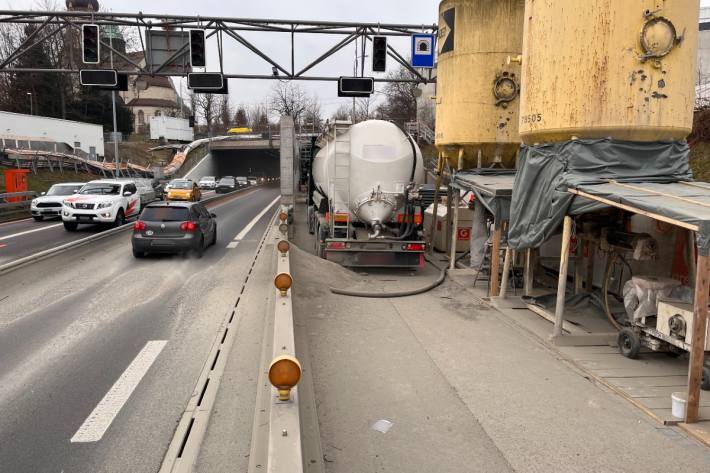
(242, 179)
(101, 189)
(207, 179)
(62, 190)
(226, 181)
(181, 185)
(165, 214)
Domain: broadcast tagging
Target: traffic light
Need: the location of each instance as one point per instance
(379, 53)
(356, 86)
(90, 44)
(197, 48)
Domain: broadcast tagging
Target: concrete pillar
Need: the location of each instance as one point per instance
(288, 160)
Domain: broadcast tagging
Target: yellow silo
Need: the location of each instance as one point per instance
(477, 97)
(624, 69)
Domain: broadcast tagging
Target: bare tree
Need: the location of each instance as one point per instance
(312, 117)
(206, 107)
(224, 111)
(400, 104)
(240, 118)
(288, 98)
(343, 113)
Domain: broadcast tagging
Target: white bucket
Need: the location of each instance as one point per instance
(678, 403)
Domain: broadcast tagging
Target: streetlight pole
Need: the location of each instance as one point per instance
(115, 122)
(31, 105)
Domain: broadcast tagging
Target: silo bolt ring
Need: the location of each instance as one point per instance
(658, 38)
(505, 90)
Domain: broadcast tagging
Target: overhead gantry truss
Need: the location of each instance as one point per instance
(49, 24)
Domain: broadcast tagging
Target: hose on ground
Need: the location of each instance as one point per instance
(388, 295)
(605, 289)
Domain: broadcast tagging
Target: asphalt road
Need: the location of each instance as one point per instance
(25, 237)
(103, 349)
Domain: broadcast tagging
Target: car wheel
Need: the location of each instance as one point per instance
(200, 249)
(120, 219)
(70, 226)
(138, 254)
(38, 218)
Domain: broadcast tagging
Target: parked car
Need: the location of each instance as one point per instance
(174, 227)
(184, 189)
(226, 184)
(208, 182)
(49, 204)
(103, 201)
(242, 181)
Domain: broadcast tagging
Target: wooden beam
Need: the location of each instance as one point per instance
(509, 255)
(495, 260)
(697, 345)
(636, 210)
(562, 280)
(529, 273)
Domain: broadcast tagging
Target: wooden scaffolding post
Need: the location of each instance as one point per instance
(509, 256)
(495, 260)
(562, 281)
(529, 273)
(455, 197)
(697, 346)
(591, 249)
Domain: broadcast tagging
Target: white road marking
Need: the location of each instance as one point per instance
(30, 231)
(240, 236)
(98, 422)
(232, 245)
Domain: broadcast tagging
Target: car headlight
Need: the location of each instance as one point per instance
(34, 202)
(69, 204)
(104, 205)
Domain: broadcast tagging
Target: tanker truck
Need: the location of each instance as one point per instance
(364, 203)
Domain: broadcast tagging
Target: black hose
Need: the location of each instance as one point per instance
(388, 295)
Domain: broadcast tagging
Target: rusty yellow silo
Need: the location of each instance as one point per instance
(477, 96)
(608, 68)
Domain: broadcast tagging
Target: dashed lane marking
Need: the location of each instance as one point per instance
(240, 236)
(31, 231)
(98, 422)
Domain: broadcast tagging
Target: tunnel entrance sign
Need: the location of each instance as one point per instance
(423, 47)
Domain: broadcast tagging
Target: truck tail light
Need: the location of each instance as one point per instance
(188, 226)
(139, 226)
(413, 247)
(337, 245)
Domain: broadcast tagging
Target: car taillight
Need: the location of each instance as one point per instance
(139, 226)
(413, 247)
(188, 226)
(337, 245)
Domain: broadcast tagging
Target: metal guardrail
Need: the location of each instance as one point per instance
(10, 207)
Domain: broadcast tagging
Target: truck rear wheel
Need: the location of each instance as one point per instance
(120, 219)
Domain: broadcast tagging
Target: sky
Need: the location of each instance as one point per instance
(277, 45)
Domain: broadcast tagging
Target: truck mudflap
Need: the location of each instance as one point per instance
(375, 253)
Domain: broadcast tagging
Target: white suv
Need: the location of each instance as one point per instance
(49, 204)
(104, 201)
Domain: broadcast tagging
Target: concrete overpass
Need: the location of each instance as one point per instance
(236, 156)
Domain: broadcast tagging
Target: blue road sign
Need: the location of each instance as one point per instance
(423, 47)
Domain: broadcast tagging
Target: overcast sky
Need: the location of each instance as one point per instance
(308, 47)
(277, 45)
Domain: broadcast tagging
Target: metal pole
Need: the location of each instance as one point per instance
(116, 159)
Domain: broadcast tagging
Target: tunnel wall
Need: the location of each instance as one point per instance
(239, 162)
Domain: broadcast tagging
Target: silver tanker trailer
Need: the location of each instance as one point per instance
(365, 208)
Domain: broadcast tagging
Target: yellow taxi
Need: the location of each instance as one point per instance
(184, 189)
